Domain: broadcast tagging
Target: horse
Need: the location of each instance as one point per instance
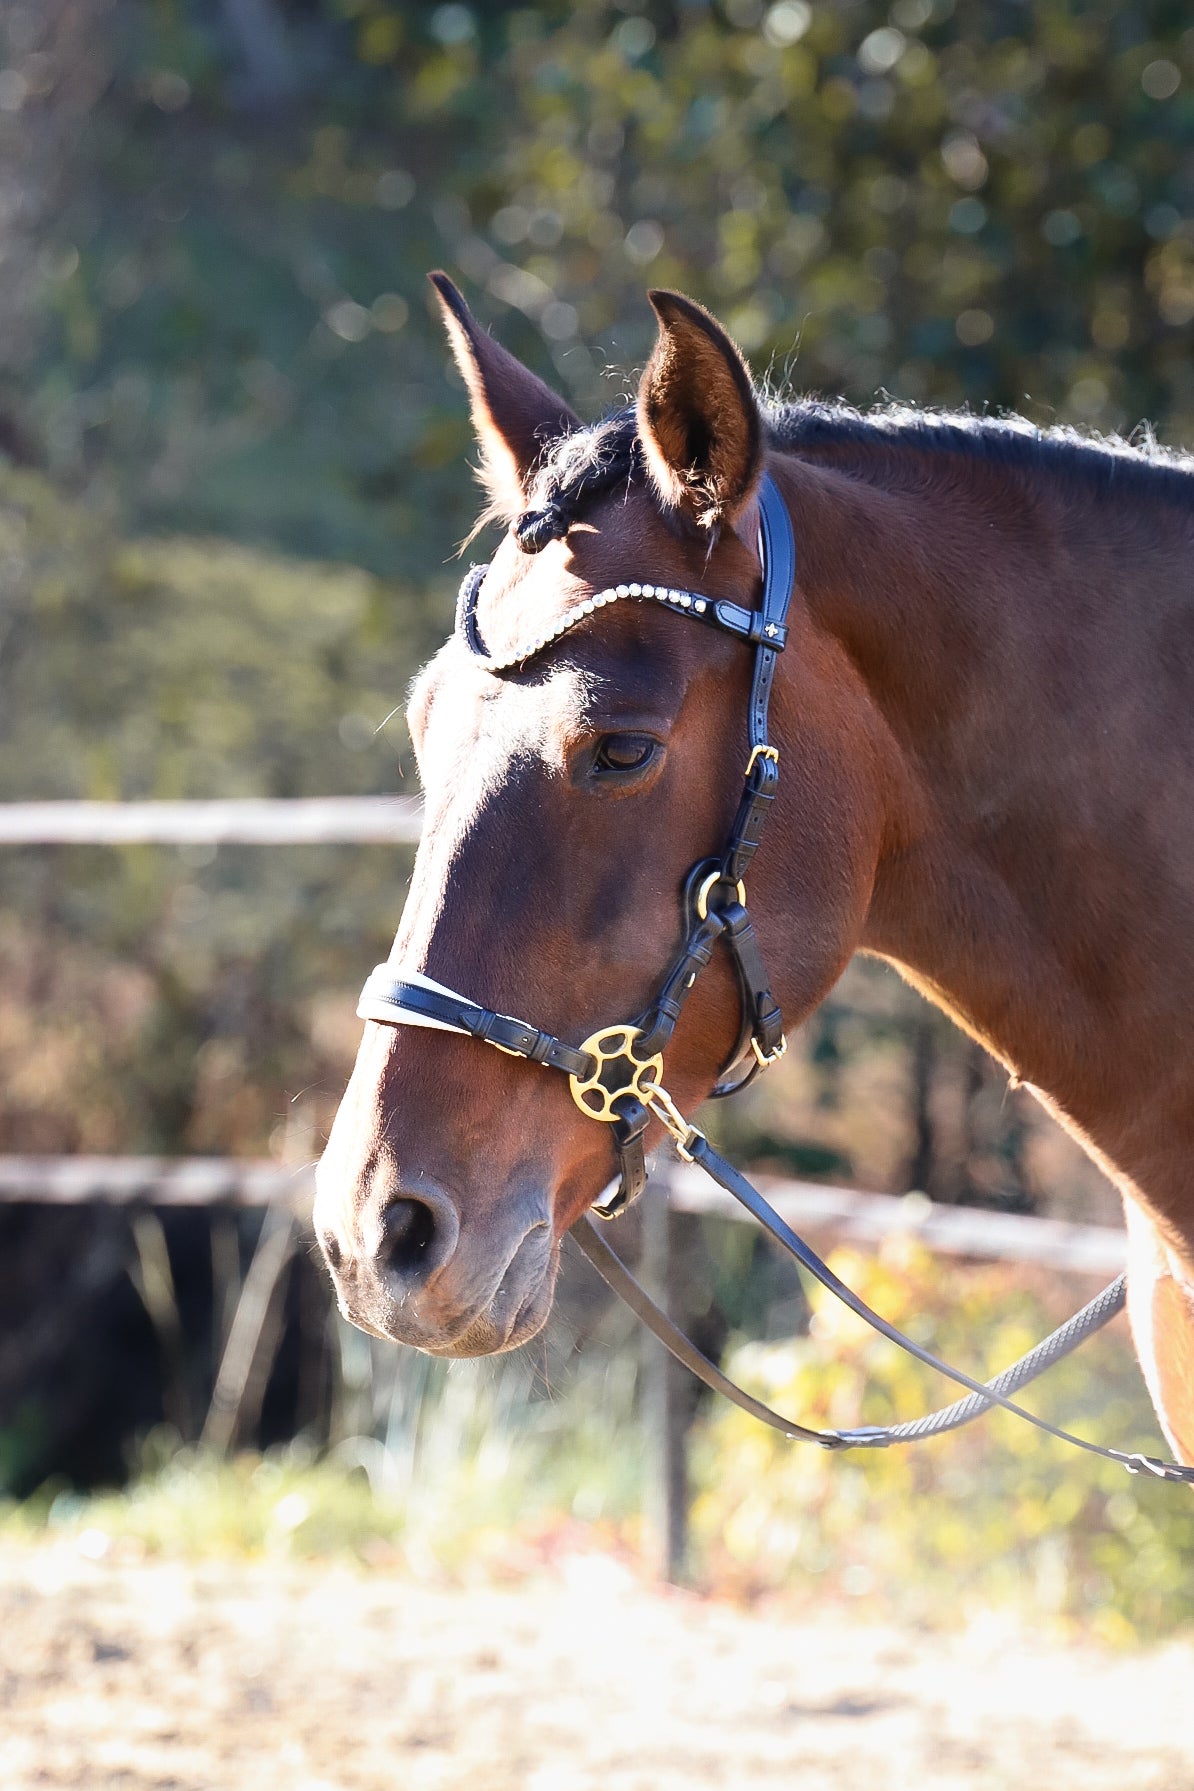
(985, 718)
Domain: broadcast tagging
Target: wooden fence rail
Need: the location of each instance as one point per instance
(250, 820)
(841, 1213)
(826, 1214)
(837, 1214)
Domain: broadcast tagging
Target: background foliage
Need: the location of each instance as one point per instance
(221, 219)
(236, 474)
(990, 1515)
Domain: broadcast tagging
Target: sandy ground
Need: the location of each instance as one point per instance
(218, 1677)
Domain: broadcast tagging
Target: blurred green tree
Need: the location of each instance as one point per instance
(238, 453)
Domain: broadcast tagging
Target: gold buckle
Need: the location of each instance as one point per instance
(683, 1134)
(614, 1045)
(609, 1203)
(765, 1059)
(761, 752)
(702, 894)
(611, 1046)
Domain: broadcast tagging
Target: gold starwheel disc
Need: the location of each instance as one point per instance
(617, 1072)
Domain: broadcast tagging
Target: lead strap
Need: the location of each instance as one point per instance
(981, 1396)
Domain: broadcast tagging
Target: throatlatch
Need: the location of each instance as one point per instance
(616, 1074)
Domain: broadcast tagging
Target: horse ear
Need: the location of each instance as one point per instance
(513, 412)
(698, 418)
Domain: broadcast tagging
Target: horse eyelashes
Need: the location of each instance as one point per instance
(624, 752)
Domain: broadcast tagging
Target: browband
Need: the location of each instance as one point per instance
(764, 627)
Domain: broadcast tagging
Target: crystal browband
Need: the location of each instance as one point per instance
(748, 625)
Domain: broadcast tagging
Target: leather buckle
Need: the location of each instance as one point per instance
(611, 1201)
(761, 752)
(765, 1059)
(705, 889)
(487, 1025)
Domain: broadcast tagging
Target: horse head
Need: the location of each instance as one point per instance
(568, 794)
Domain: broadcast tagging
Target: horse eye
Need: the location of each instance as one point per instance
(624, 752)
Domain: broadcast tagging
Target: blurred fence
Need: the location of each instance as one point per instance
(827, 1215)
(840, 1215)
(250, 820)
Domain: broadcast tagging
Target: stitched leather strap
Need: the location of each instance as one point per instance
(777, 550)
(659, 1023)
(762, 782)
(1059, 1343)
(391, 997)
(766, 1020)
(750, 625)
(629, 1130)
(989, 1394)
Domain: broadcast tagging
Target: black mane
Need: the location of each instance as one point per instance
(1011, 441)
(606, 454)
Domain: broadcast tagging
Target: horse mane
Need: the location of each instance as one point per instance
(595, 459)
(1143, 465)
(577, 467)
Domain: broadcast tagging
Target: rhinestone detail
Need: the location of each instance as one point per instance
(580, 612)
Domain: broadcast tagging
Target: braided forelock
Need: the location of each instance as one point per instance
(574, 469)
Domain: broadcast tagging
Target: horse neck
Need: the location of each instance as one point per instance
(995, 625)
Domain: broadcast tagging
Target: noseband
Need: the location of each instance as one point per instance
(616, 1074)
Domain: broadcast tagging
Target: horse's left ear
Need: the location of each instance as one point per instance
(514, 413)
(698, 418)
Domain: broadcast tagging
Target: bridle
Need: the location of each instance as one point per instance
(616, 1075)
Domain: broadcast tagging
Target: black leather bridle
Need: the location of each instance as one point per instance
(616, 1075)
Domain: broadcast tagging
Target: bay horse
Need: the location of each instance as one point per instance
(985, 713)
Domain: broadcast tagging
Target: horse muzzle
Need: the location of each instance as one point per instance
(412, 1274)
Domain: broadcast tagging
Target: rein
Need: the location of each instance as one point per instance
(616, 1075)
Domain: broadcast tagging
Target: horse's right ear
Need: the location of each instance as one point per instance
(514, 413)
(698, 417)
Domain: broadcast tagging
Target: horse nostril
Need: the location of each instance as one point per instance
(412, 1241)
(329, 1243)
